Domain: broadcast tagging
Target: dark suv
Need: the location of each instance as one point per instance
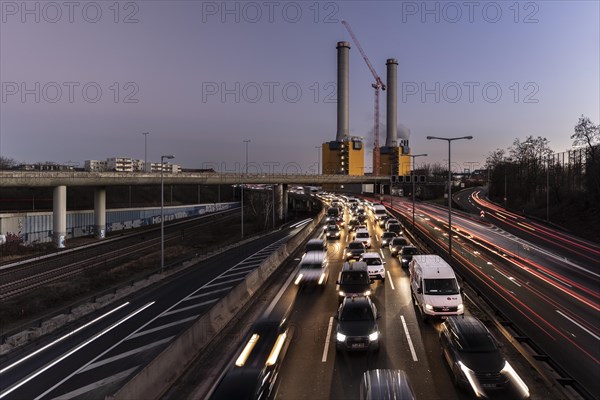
(354, 250)
(357, 327)
(473, 356)
(406, 255)
(353, 280)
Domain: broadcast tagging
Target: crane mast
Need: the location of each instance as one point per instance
(378, 86)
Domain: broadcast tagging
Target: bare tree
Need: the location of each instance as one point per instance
(586, 134)
(7, 163)
(495, 157)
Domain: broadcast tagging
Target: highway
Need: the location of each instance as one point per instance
(314, 370)
(95, 359)
(546, 288)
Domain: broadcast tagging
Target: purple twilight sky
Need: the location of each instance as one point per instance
(83, 80)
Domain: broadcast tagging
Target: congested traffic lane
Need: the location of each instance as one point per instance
(314, 370)
(556, 306)
(97, 359)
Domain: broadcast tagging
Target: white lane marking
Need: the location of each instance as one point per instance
(579, 325)
(556, 279)
(287, 283)
(208, 293)
(165, 326)
(390, 280)
(410, 344)
(236, 273)
(178, 310)
(223, 283)
(126, 354)
(96, 385)
(513, 280)
(510, 278)
(381, 252)
(56, 361)
(327, 339)
(61, 338)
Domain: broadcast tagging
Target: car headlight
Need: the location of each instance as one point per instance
(342, 293)
(404, 259)
(460, 307)
(508, 369)
(340, 337)
(348, 254)
(367, 293)
(337, 234)
(373, 336)
(429, 307)
(470, 375)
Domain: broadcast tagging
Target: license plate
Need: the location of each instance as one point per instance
(358, 345)
(489, 385)
(444, 317)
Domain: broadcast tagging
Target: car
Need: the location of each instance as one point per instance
(332, 232)
(396, 244)
(374, 265)
(314, 245)
(390, 221)
(313, 269)
(397, 228)
(386, 238)
(362, 235)
(357, 327)
(406, 255)
(386, 384)
(352, 224)
(353, 280)
(382, 219)
(476, 363)
(354, 250)
(254, 374)
(340, 221)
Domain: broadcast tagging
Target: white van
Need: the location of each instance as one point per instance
(434, 287)
(379, 211)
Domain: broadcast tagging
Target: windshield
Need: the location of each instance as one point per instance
(372, 260)
(362, 235)
(356, 312)
(409, 251)
(354, 277)
(356, 246)
(333, 228)
(310, 266)
(441, 286)
(399, 242)
(388, 234)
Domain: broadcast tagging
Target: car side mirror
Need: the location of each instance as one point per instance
(419, 291)
(384, 262)
(371, 280)
(337, 282)
(378, 315)
(462, 291)
(335, 316)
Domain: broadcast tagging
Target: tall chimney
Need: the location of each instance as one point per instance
(391, 139)
(343, 93)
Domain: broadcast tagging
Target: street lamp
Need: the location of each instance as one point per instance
(145, 150)
(413, 183)
(242, 186)
(162, 211)
(449, 140)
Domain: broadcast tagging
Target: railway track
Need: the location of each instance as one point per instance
(20, 278)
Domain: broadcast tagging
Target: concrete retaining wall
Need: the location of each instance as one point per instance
(156, 378)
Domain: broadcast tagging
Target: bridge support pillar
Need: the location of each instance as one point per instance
(100, 212)
(281, 201)
(59, 216)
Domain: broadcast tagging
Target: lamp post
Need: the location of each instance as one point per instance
(547, 189)
(413, 184)
(162, 211)
(242, 186)
(145, 150)
(318, 158)
(449, 140)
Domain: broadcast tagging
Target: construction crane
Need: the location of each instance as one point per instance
(378, 85)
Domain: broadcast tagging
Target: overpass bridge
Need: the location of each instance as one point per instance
(53, 179)
(100, 180)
